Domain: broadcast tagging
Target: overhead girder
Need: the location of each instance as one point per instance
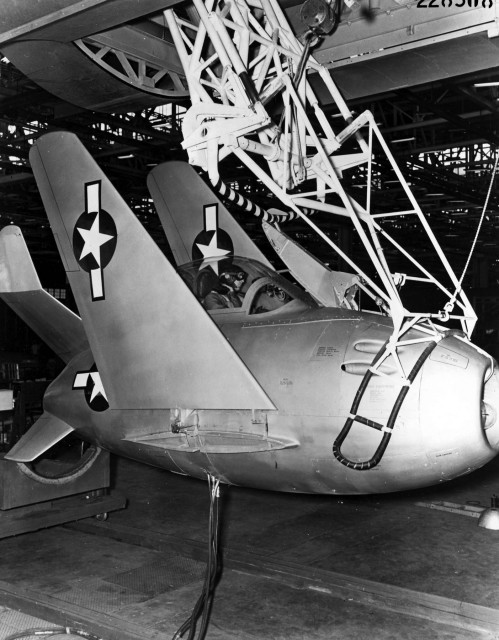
(452, 118)
(478, 99)
(447, 181)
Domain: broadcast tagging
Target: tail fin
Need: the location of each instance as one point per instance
(45, 433)
(154, 345)
(20, 288)
(194, 219)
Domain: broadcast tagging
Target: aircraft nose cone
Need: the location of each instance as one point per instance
(490, 407)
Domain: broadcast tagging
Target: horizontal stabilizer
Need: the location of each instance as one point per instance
(46, 432)
(154, 345)
(330, 288)
(20, 288)
(196, 223)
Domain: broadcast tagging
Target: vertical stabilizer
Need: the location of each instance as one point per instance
(154, 345)
(196, 223)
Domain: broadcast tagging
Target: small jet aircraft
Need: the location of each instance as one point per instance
(276, 393)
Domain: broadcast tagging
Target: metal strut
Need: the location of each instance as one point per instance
(388, 429)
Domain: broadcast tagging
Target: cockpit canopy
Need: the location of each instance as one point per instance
(263, 291)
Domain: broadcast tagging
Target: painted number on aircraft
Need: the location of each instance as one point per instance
(286, 384)
(434, 4)
(326, 352)
(94, 239)
(449, 357)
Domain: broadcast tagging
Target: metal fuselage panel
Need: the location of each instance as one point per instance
(311, 367)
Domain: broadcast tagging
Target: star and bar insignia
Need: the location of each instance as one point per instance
(94, 239)
(90, 381)
(213, 243)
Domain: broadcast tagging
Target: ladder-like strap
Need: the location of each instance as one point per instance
(388, 428)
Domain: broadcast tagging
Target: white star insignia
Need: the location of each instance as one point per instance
(98, 386)
(94, 240)
(81, 381)
(212, 250)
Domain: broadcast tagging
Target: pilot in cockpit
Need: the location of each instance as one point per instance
(227, 294)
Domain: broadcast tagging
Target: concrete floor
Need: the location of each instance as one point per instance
(387, 539)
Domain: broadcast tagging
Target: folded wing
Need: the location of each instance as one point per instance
(20, 288)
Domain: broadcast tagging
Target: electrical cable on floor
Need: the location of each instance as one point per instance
(202, 607)
(51, 632)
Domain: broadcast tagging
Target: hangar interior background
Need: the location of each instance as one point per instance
(430, 74)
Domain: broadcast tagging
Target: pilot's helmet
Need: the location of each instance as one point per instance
(231, 273)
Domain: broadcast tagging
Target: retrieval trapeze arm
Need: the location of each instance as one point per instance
(243, 63)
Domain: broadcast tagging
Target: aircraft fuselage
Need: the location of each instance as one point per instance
(311, 364)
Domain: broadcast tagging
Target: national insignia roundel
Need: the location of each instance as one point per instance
(102, 226)
(212, 242)
(206, 239)
(94, 239)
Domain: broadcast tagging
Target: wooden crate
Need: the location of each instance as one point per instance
(17, 489)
